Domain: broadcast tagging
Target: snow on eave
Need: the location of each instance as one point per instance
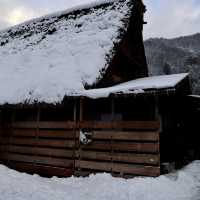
(139, 86)
(194, 96)
(134, 87)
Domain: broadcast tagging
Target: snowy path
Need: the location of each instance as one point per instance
(182, 185)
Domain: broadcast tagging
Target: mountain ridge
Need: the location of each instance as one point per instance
(176, 55)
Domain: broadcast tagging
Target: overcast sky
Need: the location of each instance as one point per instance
(166, 18)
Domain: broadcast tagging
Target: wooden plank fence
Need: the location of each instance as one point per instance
(53, 148)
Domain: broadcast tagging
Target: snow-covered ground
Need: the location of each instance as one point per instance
(181, 185)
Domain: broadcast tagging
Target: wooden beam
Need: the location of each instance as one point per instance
(41, 169)
(51, 152)
(123, 146)
(44, 125)
(121, 168)
(62, 134)
(151, 159)
(38, 160)
(40, 142)
(126, 135)
(136, 125)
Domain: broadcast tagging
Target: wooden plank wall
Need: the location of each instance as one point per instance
(46, 148)
(121, 148)
(53, 148)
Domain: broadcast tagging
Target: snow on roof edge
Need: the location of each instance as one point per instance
(138, 86)
(130, 87)
(194, 96)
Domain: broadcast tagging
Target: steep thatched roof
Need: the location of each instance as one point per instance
(57, 55)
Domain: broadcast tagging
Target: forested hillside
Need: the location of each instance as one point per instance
(168, 56)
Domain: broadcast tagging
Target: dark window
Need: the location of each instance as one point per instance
(140, 108)
(58, 113)
(97, 109)
(25, 114)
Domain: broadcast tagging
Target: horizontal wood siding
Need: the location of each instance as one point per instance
(53, 148)
(48, 150)
(136, 125)
(121, 168)
(40, 169)
(128, 135)
(139, 158)
(124, 148)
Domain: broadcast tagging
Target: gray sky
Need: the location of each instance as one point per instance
(166, 18)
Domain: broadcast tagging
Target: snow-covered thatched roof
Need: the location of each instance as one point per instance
(56, 55)
(46, 59)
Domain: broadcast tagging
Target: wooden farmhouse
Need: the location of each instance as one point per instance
(76, 98)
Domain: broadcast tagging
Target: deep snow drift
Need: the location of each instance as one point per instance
(182, 185)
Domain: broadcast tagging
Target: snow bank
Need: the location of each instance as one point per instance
(182, 185)
(48, 58)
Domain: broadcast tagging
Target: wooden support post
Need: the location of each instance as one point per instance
(158, 116)
(75, 132)
(81, 110)
(0, 120)
(75, 111)
(37, 133)
(1, 123)
(13, 118)
(80, 119)
(111, 140)
(112, 109)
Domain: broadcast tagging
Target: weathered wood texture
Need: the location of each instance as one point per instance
(53, 148)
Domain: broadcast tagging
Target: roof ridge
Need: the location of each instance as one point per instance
(72, 9)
